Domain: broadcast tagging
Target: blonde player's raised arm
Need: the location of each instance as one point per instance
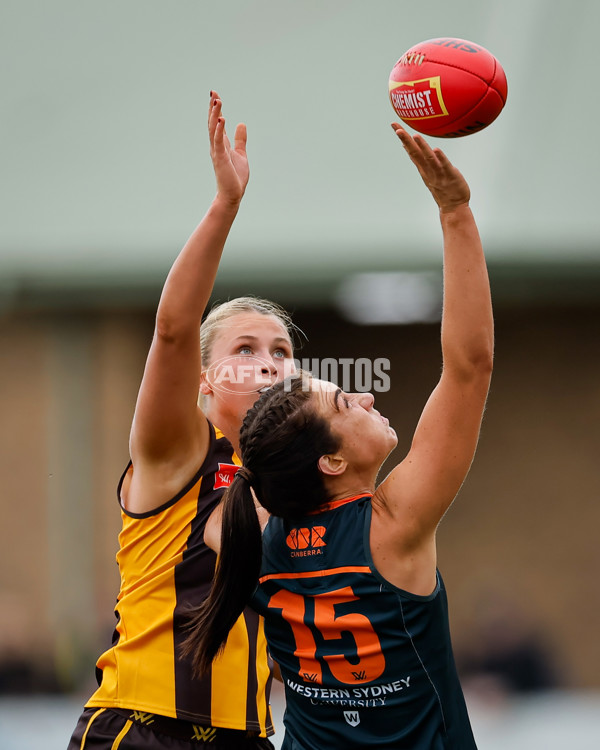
(169, 434)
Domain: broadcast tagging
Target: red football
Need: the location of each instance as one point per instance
(448, 87)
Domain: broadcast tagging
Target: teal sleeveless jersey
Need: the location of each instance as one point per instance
(364, 664)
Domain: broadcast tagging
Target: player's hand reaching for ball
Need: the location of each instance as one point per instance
(447, 185)
(230, 163)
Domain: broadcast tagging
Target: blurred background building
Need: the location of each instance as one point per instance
(105, 172)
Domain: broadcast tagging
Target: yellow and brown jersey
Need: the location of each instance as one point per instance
(165, 568)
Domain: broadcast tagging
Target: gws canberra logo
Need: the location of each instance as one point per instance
(352, 717)
(306, 542)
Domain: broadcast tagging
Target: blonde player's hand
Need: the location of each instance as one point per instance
(230, 163)
(447, 185)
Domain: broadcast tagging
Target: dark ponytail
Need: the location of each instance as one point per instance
(238, 567)
(281, 441)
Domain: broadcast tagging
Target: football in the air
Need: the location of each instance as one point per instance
(448, 87)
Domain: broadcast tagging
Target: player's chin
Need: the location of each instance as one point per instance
(250, 397)
(387, 441)
(387, 429)
(239, 401)
(389, 437)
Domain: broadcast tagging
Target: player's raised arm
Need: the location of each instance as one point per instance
(420, 489)
(169, 435)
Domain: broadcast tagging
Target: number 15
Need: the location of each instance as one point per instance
(371, 661)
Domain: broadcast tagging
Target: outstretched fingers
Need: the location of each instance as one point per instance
(420, 152)
(230, 164)
(216, 125)
(240, 138)
(445, 182)
(214, 112)
(443, 160)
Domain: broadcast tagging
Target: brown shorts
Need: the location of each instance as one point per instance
(115, 729)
